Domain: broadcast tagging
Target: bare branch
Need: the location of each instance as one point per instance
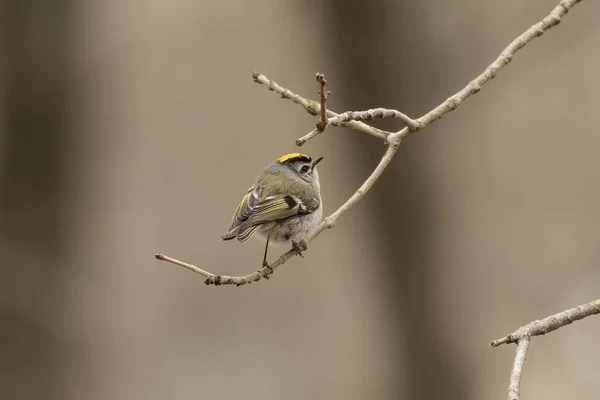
(307, 137)
(523, 335)
(372, 114)
(350, 119)
(217, 280)
(322, 124)
(314, 108)
(191, 267)
(551, 323)
(503, 59)
(517, 369)
(331, 220)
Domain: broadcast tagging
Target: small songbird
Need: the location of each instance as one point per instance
(283, 205)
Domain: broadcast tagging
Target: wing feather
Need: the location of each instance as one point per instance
(247, 232)
(243, 211)
(253, 213)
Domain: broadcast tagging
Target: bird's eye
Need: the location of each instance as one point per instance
(304, 169)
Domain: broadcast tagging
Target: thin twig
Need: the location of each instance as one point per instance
(322, 124)
(392, 139)
(217, 280)
(191, 267)
(551, 323)
(514, 385)
(307, 137)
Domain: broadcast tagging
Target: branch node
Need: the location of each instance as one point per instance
(313, 107)
(299, 247)
(395, 139)
(329, 223)
(269, 271)
(241, 282)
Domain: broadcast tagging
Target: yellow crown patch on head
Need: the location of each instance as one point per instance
(293, 157)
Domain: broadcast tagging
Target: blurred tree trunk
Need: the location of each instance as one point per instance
(369, 49)
(31, 182)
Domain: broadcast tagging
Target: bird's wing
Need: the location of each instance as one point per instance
(273, 208)
(243, 211)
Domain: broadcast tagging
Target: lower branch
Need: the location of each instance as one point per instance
(523, 335)
(217, 280)
(551, 323)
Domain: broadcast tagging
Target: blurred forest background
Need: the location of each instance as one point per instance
(130, 128)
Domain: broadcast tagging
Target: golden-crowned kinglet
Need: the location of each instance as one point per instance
(283, 205)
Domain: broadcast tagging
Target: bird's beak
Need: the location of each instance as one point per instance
(318, 160)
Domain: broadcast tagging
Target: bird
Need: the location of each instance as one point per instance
(284, 204)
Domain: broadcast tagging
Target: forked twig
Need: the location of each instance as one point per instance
(551, 323)
(523, 335)
(314, 108)
(322, 123)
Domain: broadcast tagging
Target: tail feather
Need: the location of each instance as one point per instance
(232, 234)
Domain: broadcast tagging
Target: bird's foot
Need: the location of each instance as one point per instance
(299, 247)
(269, 268)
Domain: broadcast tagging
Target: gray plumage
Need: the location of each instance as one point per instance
(283, 205)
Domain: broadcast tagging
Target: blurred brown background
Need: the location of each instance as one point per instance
(129, 128)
